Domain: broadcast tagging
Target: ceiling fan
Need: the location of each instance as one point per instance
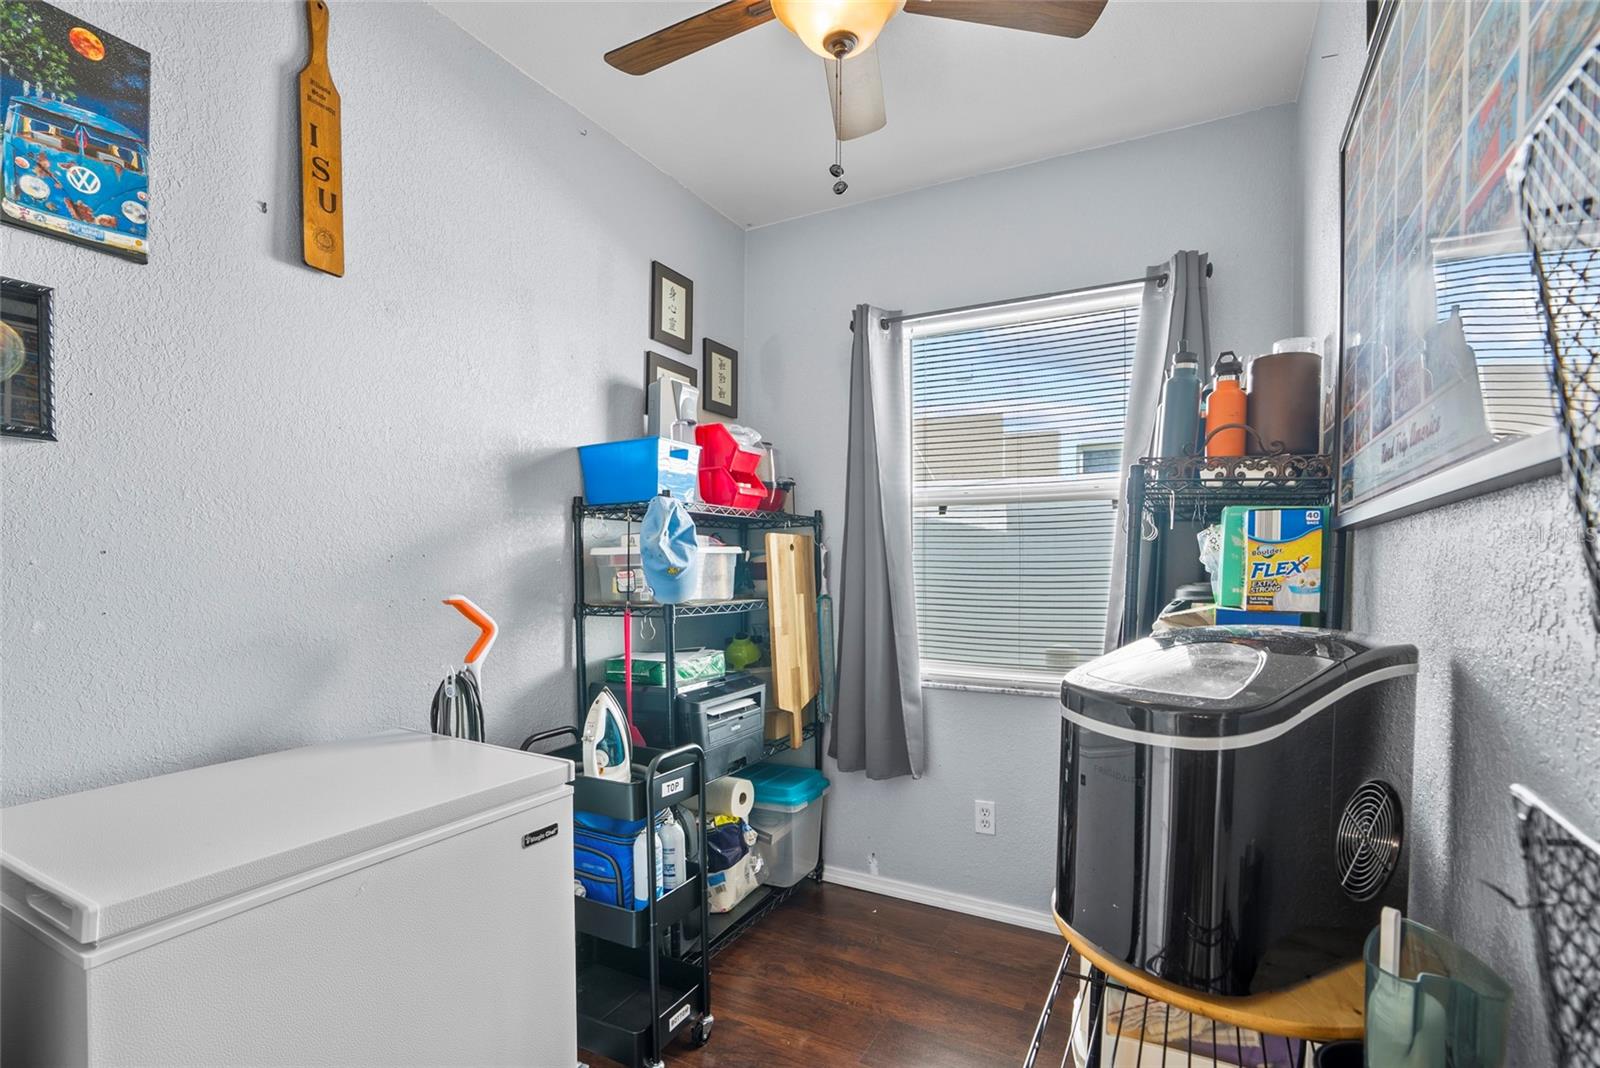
(842, 33)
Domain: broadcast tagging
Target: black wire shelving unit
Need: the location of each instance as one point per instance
(737, 526)
(1169, 497)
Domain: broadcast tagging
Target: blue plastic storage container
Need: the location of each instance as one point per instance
(785, 785)
(624, 472)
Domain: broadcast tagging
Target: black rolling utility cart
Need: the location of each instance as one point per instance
(710, 622)
(639, 988)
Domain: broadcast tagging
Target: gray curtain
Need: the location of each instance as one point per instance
(1174, 310)
(877, 718)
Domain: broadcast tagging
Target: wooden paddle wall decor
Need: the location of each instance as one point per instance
(321, 172)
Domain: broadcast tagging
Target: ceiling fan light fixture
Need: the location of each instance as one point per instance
(836, 28)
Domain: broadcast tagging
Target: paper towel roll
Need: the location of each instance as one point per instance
(730, 795)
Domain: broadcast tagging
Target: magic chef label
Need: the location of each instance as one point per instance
(533, 838)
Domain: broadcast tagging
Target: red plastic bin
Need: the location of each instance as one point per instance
(721, 451)
(727, 470)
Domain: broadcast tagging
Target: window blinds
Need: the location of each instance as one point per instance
(1016, 435)
(1497, 297)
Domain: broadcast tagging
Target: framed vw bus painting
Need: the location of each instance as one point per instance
(74, 163)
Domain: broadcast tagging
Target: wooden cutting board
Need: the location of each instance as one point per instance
(792, 619)
(321, 170)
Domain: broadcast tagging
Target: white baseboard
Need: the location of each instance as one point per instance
(940, 899)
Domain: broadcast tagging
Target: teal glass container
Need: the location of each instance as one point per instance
(1445, 1008)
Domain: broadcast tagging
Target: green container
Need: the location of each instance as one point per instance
(1445, 1008)
(650, 669)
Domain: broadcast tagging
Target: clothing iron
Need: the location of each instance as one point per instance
(607, 753)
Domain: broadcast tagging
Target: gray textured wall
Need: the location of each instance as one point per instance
(1079, 220)
(1491, 591)
(268, 477)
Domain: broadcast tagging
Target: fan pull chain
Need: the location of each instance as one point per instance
(837, 170)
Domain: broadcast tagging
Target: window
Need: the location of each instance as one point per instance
(1099, 459)
(1017, 415)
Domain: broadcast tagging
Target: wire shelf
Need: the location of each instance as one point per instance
(1557, 175)
(1113, 1026)
(781, 745)
(1186, 482)
(727, 927)
(679, 611)
(1564, 876)
(710, 515)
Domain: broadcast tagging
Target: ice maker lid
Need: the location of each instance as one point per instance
(1210, 682)
(106, 862)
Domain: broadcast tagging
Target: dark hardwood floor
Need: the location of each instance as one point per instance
(842, 977)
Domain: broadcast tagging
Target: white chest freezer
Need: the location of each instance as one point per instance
(399, 899)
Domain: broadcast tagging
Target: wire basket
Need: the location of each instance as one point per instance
(1557, 176)
(1564, 876)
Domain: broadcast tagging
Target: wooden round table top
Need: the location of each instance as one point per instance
(1326, 1008)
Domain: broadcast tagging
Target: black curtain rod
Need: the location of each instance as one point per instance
(1161, 280)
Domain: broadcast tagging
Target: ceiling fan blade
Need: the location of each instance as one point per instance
(862, 103)
(1060, 18)
(689, 36)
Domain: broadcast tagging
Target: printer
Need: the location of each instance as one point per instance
(725, 717)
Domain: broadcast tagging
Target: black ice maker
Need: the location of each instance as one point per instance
(1232, 802)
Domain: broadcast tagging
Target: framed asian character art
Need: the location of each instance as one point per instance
(25, 337)
(720, 372)
(659, 366)
(1443, 388)
(671, 308)
(74, 158)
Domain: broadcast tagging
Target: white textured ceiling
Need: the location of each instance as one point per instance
(745, 124)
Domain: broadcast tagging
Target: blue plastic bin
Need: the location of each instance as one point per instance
(785, 785)
(623, 472)
(787, 818)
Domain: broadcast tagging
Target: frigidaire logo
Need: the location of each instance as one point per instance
(533, 838)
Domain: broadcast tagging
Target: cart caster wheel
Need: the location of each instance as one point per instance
(700, 1034)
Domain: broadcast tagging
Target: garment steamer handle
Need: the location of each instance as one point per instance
(487, 631)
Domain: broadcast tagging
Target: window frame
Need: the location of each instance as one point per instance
(954, 675)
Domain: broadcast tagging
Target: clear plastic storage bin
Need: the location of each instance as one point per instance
(616, 574)
(787, 817)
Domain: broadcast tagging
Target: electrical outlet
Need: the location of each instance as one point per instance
(872, 863)
(983, 817)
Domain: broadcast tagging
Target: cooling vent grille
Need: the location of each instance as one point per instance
(1368, 840)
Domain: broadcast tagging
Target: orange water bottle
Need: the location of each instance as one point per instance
(1225, 406)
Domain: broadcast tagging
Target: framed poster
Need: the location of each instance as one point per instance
(720, 365)
(671, 308)
(25, 336)
(1442, 359)
(74, 163)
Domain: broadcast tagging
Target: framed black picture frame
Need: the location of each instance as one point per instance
(26, 392)
(720, 372)
(659, 366)
(671, 308)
